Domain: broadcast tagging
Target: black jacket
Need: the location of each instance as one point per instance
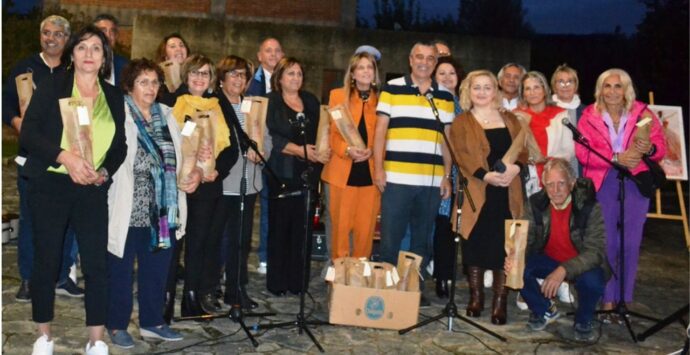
(42, 127)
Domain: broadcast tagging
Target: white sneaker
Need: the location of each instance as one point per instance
(430, 268)
(262, 268)
(520, 303)
(42, 346)
(564, 294)
(488, 278)
(98, 348)
(73, 273)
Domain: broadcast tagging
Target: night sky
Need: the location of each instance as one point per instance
(546, 16)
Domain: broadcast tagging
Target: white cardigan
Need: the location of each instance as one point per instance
(121, 192)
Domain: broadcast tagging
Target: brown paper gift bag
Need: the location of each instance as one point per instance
(25, 89)
(171, 70)
(383, 276)
(77, 114)
(533, 150)
(190, 147)
(515, 244)
(644, 127)
(322, 131)
(255, 109)
(358, 273)
(346, 126)
(206, 124)
(408, 268)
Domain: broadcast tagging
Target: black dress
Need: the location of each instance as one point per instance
(485, 246)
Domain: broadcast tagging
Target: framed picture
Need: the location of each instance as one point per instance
(674, 163)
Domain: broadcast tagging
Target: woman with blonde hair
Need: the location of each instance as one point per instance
(481, 136)
(610, 127)
(354, 199)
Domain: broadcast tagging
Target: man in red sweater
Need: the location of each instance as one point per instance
(566, 242)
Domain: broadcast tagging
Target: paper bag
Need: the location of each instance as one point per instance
(322, 131)
(515, 244)
(206, 124)
(190, 147)
(358, 273)
(535, 154)
(346, 126)
(171, 70)
(76, 124)
(383, 276)
(408, 269)
(644, 126)
(255, 109)
(25, 88)
(511, 156)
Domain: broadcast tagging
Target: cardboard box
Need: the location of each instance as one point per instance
(374, 308)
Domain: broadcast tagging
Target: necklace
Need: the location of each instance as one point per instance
(480, 118)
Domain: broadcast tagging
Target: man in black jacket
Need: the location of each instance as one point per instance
(566, 242)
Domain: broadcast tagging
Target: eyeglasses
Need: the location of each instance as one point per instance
(565, 83)
(200, 74)
(56, 34)
(237, 74)
(148, 83)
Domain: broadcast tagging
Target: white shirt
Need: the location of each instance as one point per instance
(510, 104)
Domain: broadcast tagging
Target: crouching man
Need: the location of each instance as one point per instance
(566, 242)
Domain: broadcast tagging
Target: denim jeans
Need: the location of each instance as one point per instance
(589, 286)
(25, 245)
(402, 205)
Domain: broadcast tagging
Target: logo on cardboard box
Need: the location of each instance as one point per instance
(374, 307)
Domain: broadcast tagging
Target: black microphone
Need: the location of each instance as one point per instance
(576, 134)
(430, 97)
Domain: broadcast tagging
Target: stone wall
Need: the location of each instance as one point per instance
(322, 49)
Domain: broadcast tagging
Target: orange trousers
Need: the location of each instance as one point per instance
(353, 209)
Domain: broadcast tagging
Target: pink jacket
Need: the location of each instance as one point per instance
(592, 127)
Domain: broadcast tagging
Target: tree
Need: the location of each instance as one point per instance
(502, 18)
(397, 15)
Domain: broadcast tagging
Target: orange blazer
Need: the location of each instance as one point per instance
(337, 170)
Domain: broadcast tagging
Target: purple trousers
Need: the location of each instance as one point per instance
(636, 207)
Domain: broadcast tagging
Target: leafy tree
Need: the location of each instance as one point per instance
(502, 18)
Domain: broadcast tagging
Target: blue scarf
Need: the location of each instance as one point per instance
(156, 141)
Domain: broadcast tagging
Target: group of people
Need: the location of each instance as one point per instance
(132, 200)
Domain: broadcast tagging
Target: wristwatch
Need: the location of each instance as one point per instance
(615, 158)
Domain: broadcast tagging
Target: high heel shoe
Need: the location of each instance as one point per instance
(190, 306)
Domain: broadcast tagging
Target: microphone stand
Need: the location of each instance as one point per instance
(236, 313)
(623, 173)
(301, 323)
(450, 311)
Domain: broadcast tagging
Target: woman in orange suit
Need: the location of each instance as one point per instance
(354, 199)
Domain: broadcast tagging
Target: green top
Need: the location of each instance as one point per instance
(102, 129)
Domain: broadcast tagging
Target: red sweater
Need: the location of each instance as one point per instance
(560, 247)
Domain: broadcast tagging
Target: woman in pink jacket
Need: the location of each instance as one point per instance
(609, 125)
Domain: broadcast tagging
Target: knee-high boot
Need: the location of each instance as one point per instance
(475, 277)
(500, 304)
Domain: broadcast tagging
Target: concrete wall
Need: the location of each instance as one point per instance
(319, 48)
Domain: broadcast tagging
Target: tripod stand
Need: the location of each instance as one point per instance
(300, 322)
(623, 173)
(450, 311)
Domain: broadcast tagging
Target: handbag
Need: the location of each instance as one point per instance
(649, 181)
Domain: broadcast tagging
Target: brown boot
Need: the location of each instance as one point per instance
(500, 304)
(475, 278)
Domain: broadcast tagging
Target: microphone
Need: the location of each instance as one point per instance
(430, 97)
(576, 134)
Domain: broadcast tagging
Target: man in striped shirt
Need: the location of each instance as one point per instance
(411, 162)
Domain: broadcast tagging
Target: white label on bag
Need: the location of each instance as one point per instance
(20, 160)
(83, 115)
(367, 270)
(246, 106)
(396, 277)
(188, 128)
(643, 121)
(389, 279)
(330, 274)
(336, 115)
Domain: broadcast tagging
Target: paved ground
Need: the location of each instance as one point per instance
(662, 287)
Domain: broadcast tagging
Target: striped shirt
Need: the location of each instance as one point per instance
(414, 139)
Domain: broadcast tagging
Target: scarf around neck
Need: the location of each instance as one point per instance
(572, 105)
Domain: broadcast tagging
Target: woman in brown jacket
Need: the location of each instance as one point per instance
(354, 199)
(480, 137)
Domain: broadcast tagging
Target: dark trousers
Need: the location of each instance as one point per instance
(589, 286)
(285, 241)
(201, 257)
(152, 271)
(171, 282)
(55, 203)
(229, 211)
(444, 247)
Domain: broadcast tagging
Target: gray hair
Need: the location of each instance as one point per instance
(516, 65)
(560, 164)
(57, 20)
